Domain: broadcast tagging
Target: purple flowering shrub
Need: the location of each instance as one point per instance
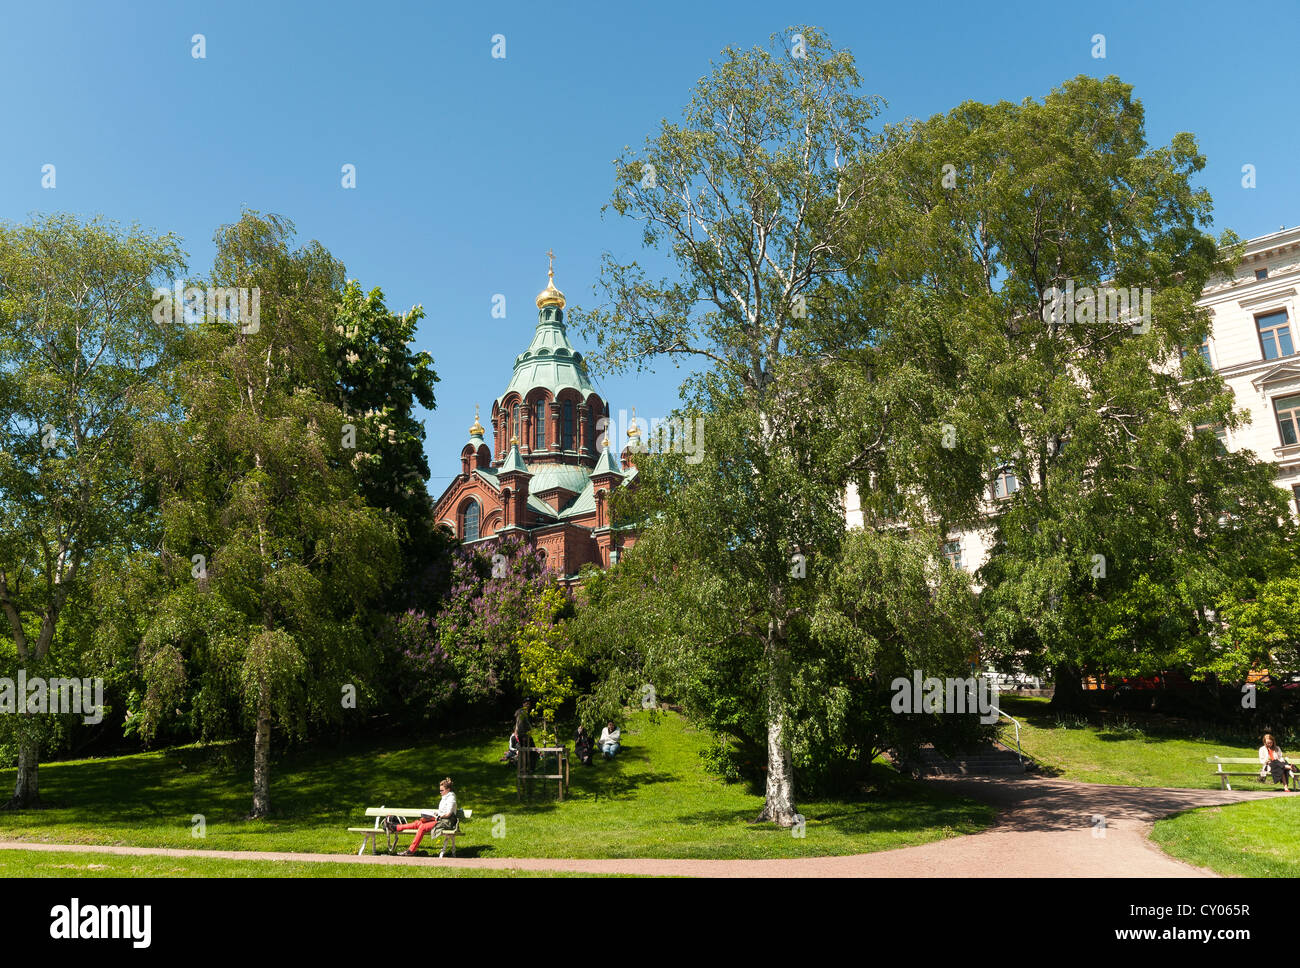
(467, 655)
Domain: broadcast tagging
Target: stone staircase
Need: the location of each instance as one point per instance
(986, 760)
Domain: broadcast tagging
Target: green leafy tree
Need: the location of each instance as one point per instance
(272, 554)
(547, 665)
(81, 362)
(380, 380)
(1111, 552)
(750, 196)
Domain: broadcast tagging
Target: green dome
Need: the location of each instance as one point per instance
(550, 361)
(572, 477)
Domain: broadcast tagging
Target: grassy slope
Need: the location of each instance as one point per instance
(652, 801)
(1126, 751)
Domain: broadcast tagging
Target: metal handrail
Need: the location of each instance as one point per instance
(1019, 752)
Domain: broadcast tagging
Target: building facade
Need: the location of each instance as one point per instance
(1253, 344)
(545, 476)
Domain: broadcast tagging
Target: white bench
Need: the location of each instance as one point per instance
(371, 834)
(1223, 774)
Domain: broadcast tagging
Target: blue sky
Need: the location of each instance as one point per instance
(470, 168)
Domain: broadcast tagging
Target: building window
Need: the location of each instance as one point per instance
(541, 425)
(567, 439)
(1261, 273)
(1288, 419)
(516, 430)
(469, 522)
(1275, 334)
(952, 551)
(1005, 484)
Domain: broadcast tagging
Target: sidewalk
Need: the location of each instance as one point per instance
(1046, 828)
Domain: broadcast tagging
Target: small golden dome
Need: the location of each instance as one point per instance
(550, 296)
(632, 429)
(477, 429)
(514, 441)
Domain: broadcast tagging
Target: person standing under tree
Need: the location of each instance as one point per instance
(523, 729)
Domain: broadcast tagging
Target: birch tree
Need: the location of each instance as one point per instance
(80, 360)
(270, 552)
(750, 196)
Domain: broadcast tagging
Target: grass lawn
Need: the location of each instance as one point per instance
(1257, 839)
(27, 863)
(653, 800)
(1128, 750)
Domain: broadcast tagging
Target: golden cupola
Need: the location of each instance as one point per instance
(550, 296)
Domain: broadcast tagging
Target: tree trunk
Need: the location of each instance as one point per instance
(1068, 694)
(27, 788)
(262, 756)
(779, 805)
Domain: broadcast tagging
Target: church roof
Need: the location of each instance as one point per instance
(607, 464)
(571, 477)
(513, 462)
(550, 360)
(584, 503)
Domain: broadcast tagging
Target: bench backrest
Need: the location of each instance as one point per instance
(410, 811)
(1232, 759)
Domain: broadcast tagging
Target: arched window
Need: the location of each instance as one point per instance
(566, 441)
(469, 524)
(516, 429)
(541, 425)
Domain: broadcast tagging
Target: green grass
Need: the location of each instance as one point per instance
(1126, 750)
(653, 800)
(28, 863)
(1256, 839)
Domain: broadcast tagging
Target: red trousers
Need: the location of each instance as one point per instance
(421, 827)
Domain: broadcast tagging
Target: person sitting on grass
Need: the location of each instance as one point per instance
(1273, 762)
(609, 737)
(444, 819)
(512, 752)
(582, 745)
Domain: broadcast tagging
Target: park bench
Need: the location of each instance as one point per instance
(371, 834)
(1222, 774)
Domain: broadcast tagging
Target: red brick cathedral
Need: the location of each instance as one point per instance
(545, 477)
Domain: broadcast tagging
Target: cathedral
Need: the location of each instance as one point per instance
(545, 476)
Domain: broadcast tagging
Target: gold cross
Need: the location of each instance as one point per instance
(550, 268)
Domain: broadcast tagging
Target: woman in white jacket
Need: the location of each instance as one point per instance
(1273, 762)
(609, 740)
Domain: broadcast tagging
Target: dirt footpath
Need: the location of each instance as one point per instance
(1045, 828)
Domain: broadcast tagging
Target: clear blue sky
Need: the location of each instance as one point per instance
(469, 168)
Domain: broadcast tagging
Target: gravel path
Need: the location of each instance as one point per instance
(1045, 828)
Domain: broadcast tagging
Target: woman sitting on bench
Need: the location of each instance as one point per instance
(444, 819)
(1272, 761)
